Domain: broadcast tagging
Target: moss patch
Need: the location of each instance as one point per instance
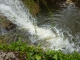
(32, 6)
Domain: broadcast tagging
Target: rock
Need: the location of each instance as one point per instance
(9, 55)
(32, 6)
(6, 24)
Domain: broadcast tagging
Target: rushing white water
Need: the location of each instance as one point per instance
(16, 12)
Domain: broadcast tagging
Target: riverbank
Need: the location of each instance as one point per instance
(21, 51)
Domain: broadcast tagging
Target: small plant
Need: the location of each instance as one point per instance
(32, 52)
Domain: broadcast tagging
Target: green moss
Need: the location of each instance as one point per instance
(32, 5)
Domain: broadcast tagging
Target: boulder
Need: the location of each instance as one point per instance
(6, 24)
(32, 6)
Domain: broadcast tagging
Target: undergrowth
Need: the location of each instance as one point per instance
(36, 53)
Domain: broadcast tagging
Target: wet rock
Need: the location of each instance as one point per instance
(9, 55)
(32, 6)
(6, 24)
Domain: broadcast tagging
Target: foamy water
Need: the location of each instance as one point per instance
(16, 12)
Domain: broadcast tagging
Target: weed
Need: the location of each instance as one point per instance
(36, 53)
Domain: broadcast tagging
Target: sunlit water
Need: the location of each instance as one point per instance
(58, 37)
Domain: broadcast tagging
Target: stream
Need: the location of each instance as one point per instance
(57, 30)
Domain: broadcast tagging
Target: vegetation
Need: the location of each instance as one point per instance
(37, 53)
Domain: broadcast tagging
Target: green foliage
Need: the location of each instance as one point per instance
(37, 53)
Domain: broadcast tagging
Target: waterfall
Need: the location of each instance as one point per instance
(16, 12)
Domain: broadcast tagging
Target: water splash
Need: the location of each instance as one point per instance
(16, 12)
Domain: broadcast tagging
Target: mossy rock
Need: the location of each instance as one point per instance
(32, 6)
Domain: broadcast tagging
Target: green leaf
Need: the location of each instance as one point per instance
(37, 57)
(55, 57)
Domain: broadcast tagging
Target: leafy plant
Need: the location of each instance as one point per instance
(32, 52)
